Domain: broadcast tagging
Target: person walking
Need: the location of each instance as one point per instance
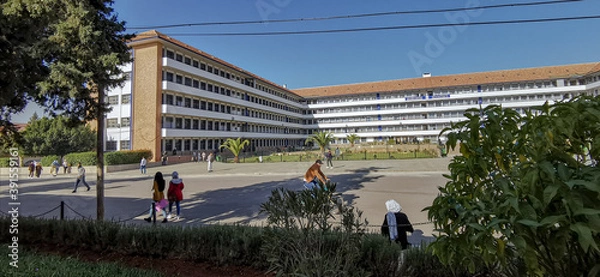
(80, 178)
(55, 168)
(329, 157)
(38, 169)
(313, 175)
(337, 153)
(396, 224)
(65, 165)
(210, 159)
(158, 195)
(175, 194)
(143, 163)
(203, 156)
(31, 169)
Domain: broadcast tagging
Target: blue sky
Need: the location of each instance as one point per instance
(311, 60)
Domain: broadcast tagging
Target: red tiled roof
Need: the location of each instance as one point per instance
(492, 77)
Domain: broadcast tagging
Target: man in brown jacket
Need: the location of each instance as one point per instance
(314, 175)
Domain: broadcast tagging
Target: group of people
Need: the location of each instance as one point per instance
(174, 196)
(35, 168)
(395, 223)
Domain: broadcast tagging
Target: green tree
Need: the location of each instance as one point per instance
(322, 139)
(62, 54)
(235, 146)
(352, 138)
(55, 136)
(526, 188)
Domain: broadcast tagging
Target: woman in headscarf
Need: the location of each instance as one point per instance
(396, 224)
(175, 194)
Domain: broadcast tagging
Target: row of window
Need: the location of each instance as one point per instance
(111, 145)
(114, 99)
(187, 81)
(445, 103)
(114, 122)
(196, 103)
(224, 74)
(448, 91)
(214, 144)
(210, 125)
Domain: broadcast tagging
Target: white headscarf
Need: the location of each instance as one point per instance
(393, 206)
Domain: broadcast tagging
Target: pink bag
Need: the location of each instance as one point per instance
(161, 204)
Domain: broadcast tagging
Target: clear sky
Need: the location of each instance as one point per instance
(310, 60)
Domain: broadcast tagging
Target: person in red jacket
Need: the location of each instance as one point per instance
(175, 194)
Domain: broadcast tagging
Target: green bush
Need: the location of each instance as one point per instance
(126, 156)
(47, 160)
(85, 158)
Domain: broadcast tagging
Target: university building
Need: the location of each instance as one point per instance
(180, 98)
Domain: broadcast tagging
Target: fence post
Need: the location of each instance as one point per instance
(365, 155)
(62, 210)
(153, 213)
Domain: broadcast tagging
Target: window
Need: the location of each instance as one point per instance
(187, 61)
(169, 76)
(196, 84)
(210, 106)
(188, 81)
(178, 123)
(195, 124)
(188, 103)
(168, 122)
(113, 100)
(170, 54)
(202, 66)
(125, 145)
(179, 57)
(187, 123)
(112, 123)
(125, 122)
(169, 99)
(210, 69)
(196, 104)
(111, 145)
(126, 99)
(179, 79)
(178, 101)
(195, 63)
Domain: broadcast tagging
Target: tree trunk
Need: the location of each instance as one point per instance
(100, 156)
(236, 159)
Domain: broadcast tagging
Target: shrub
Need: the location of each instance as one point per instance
(85, 158)
(126, 156)
(47, 160)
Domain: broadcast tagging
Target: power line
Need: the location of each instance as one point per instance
(352, 16)
(389, 27)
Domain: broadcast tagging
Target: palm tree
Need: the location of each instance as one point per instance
(352, 138)
(322, 139)
(235, 146)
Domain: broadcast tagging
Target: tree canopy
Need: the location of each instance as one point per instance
(525, 190)
(55, 136)
(235, 146)
(57, 53)
(322, 139)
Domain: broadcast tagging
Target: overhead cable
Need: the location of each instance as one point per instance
(351, 16)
